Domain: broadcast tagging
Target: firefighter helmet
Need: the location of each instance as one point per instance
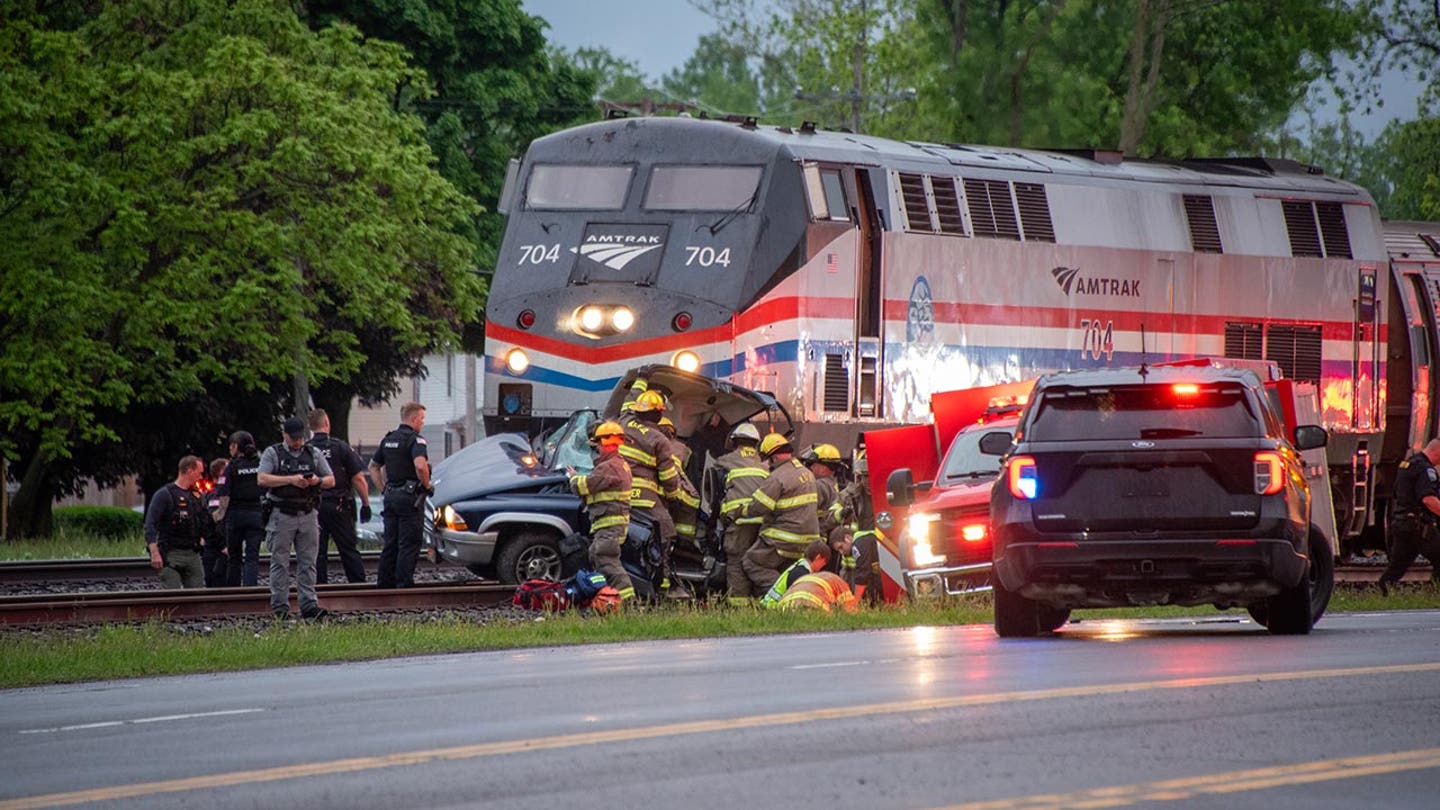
(826, 454)
(772, 444)
(608, 428)
(649, 401)
(745, 432)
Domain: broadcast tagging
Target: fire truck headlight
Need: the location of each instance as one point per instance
(591, 319)
(919, 528)
(686, 360)
(622, 319)
(517, 361)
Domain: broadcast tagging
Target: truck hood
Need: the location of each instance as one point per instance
(494, 464)
(697, 401)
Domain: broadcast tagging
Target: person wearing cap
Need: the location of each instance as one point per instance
(785, 504)
(606, 490)
(744, 472)
(401, 468)
(238, 506)
(823, 460)
(295, 473)
(655, 476)
(817, 557)
(337, 504)
(684, 505)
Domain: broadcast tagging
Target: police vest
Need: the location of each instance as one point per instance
(289, 498)
(396, 448)
(242, 475)
(333, 450)
(182, 530)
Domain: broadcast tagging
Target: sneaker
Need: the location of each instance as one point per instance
(315, 614)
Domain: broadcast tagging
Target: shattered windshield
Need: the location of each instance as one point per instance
(569, 445)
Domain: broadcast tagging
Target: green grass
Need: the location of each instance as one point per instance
(61, 656)
(73, 545)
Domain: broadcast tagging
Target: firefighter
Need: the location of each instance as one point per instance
(867, 536)
(606, 490)
(786, 505)
(654, 473)
(823, 590)
(684, 505)
(817, 557)
(744, 473)
(1413, 516)
(844, 558)
(824, 461)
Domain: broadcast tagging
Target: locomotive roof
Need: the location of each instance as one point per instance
(1412, 241)
(845, 147)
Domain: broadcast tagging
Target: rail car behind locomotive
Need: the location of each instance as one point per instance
(852, 277)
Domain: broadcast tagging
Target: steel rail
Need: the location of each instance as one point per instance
(91, 608)
(13, 572)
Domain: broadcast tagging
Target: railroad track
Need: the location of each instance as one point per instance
(120, 606)
(19, 572)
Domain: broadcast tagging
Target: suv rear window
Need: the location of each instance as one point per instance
(1161, 411)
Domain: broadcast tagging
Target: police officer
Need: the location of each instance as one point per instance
(173, 526)
(295, 473)
(337, 504)
(401, 467)
(237, 505)
(1412, 517)
(213, 556)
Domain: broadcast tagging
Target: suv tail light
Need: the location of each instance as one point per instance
(1269, 473)
(1024, 479)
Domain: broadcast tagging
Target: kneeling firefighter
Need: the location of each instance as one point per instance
(606, 490)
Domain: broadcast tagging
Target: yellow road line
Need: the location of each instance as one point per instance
(1218, 783)
(578, 740)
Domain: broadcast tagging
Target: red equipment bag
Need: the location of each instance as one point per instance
(541, 594)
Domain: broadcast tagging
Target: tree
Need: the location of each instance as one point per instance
(203, 195)
(717, 78)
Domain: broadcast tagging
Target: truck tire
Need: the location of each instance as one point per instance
(529, 554)
(1015, 616)
(1322, 575)
(1288, 613)
(1052, 618)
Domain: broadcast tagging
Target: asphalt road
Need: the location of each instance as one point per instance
(1107, 714)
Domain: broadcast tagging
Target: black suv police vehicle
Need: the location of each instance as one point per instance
(1139, 486)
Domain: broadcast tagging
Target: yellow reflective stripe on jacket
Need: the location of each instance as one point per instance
(627, 593)
(669, 473)
(734, 505)
(636, 454)
(686, 498)
(644, 503)
(608, 521)
(764, 500)
(602, 497)
(798, 500)
(746, 472)
(645, 483)
(685, 529)
(582, 484)
(788, 537)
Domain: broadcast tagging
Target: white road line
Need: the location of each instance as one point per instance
(827, 666)
(138, 721)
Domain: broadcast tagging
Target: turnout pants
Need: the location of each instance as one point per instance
(1409, 538)
(183, 569)
(302, 533)
(605, 558)
(337, 520)
(739, 537)
(763, 564)
(404, 533)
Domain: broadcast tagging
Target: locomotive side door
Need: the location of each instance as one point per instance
(865, 185)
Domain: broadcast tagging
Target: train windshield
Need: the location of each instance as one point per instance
(557, 187)
(702, 188)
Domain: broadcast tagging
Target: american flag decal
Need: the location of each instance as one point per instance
(832, 262)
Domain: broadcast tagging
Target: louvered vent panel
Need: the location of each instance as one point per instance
(1332, 229)
(1300, 223)
(1296, 349)
(917, 211)
(1034, 212)
(837, 384)
(1204, 230)
(947, 205)
(977, 199)
(1007, 225)
(1243, 341)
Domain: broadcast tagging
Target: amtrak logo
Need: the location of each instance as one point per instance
(615, 251)
(1071, 281)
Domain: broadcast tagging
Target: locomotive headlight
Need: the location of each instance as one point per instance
(517, 361)
(591, 319)
(686, 360)
(622, 319)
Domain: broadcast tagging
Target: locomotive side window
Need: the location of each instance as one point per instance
(825, 191)
(558, 187)
(702, 188)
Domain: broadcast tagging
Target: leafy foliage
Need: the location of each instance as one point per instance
(103, 521)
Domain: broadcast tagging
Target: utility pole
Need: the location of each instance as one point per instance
(856, 95)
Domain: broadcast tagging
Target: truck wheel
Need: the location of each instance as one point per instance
(1015, 616)
(529, 554)
(1051, 618)
(1288, 613)
(1322, 576)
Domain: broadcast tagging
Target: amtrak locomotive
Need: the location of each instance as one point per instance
(854, 276)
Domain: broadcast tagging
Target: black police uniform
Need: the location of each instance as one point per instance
(174, 523)
(244, 530)
(1412, 526)
(404, 531)
(212, 557)
(337, 510)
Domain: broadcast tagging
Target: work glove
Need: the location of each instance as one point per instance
(365, 513)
